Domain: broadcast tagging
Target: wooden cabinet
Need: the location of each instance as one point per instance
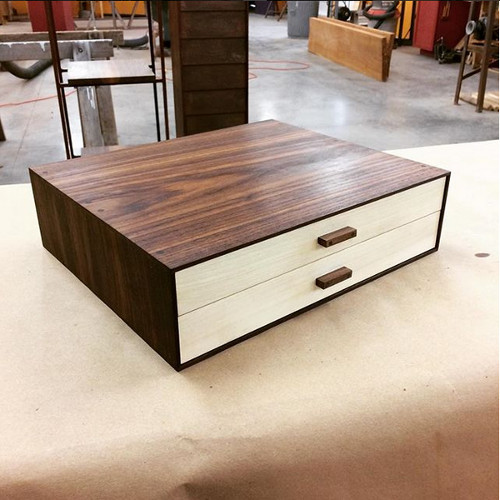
(200, 242)
(209, 64)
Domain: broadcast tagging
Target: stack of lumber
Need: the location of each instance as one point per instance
(362, 49)
(490, 100)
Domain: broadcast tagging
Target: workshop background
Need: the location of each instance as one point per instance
(287, 82)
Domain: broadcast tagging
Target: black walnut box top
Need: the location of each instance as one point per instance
(193, 198)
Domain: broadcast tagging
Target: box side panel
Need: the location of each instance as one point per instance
(133, 284)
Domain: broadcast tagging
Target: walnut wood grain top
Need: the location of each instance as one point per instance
(192, 198)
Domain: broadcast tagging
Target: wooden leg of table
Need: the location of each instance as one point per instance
(270, 5)
(283, 10)
(106, 115)
(113, 14)
(462, 60)
(485, 63)
(132, 14)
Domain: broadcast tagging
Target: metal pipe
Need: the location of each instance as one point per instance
(135, 42)
(26, 73)
(61, 97)
(153, 67)
(462, 61)
(162, 64)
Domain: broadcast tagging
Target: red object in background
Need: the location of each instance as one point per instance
(63, 16)
(440, 19)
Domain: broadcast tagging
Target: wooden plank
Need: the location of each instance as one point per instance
(43, 36)
(214, 51)
(89, 117)
(213, 280)
(213, 24)
(361, 49)
(490, 100)
(97, 115)
(216, 76)
(215, 101)
(212, 326)
(87, 102)
(27, 51)
(105, 110)
(357, 27)
(387, 48)
(107, 115)
(208, 194)
(112, 72)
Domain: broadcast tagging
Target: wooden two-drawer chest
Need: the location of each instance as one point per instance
(202, 241)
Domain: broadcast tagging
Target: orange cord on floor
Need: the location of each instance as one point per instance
(33, 100)
(298, 66)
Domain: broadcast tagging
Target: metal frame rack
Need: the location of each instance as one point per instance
(63, 77)
(486, 50)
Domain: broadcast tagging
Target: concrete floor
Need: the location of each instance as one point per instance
(413, 108)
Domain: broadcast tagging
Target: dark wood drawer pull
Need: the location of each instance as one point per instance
(346, 233)
(330, 279)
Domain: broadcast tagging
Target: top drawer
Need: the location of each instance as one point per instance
(222, 276)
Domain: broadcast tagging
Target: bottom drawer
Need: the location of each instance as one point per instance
(220, 322)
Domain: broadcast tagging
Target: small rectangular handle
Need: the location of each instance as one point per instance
(346, 233)
(337, 276)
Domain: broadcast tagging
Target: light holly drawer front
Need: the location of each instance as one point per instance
(220, 322)
(223, 276)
